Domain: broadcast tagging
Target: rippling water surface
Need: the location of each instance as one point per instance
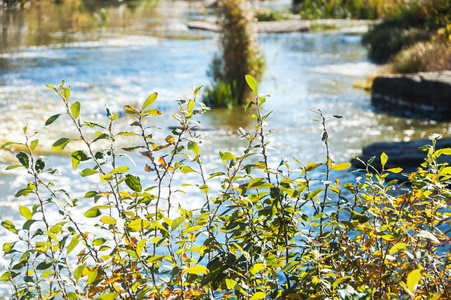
(147, 47)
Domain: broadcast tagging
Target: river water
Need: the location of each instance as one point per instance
(120, 54)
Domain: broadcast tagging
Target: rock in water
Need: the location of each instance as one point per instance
(428, 94)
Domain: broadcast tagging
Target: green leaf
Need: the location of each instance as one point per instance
(52, 119)
(44, 265)
(384, 159)
(61, 144)
(108, 220)
(109, 296)
(79, 156)
(138, 224)
(140, 247)
(13, 167)
(10, 143)
(186, 169)
(252, 84)
(226, 155)
(66, 93)
(177, 222)
(88, 172)
(78, 271)
(248, 104)
(25, 212)
(193, 147)
(34, 144)
(119, 170)
(289, 266)
(23, 159)
(103, 136)
(9, 225)
(339, 280)
(51, 87)
(99, 241)
(134, 183)
(23, 192)
(151, 99)
(231, 284)
(92, 275)
(75, 109)
(197, 270)
(73, 243)
(204, 188)
(92, 212)
(413, 279)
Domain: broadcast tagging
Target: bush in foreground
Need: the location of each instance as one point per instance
(287, 231)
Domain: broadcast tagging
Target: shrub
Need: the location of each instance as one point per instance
(268, 14)
(385, 41)
(239, 54)
(284, 231)
(411, 22)
(347, 9)
(423, 57)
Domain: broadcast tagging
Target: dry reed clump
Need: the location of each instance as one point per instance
(423, 57)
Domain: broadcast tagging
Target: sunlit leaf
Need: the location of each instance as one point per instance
(88, 172)
(154, 112)
(25, 212)
(119, 170)
(252, 84)
(258, 296)
(10, 226)
(61, 144)
(75, 109)
(197, 270)
(151, 99)
(413, 279)
(341, 166)
(108, 220)
(92, 212)
(34, 144)
(384, 159)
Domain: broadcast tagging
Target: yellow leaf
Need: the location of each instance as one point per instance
(170, 140)
(316, 280)
(258, 296)
(256, 268)
(153, 112)
(412, 279)
(341, 167)
(397, 247)
(384, 158)
(197, 270)
(108, 220)
(111, 280)
(162, 162)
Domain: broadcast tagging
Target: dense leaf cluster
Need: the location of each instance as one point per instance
(286, 231)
